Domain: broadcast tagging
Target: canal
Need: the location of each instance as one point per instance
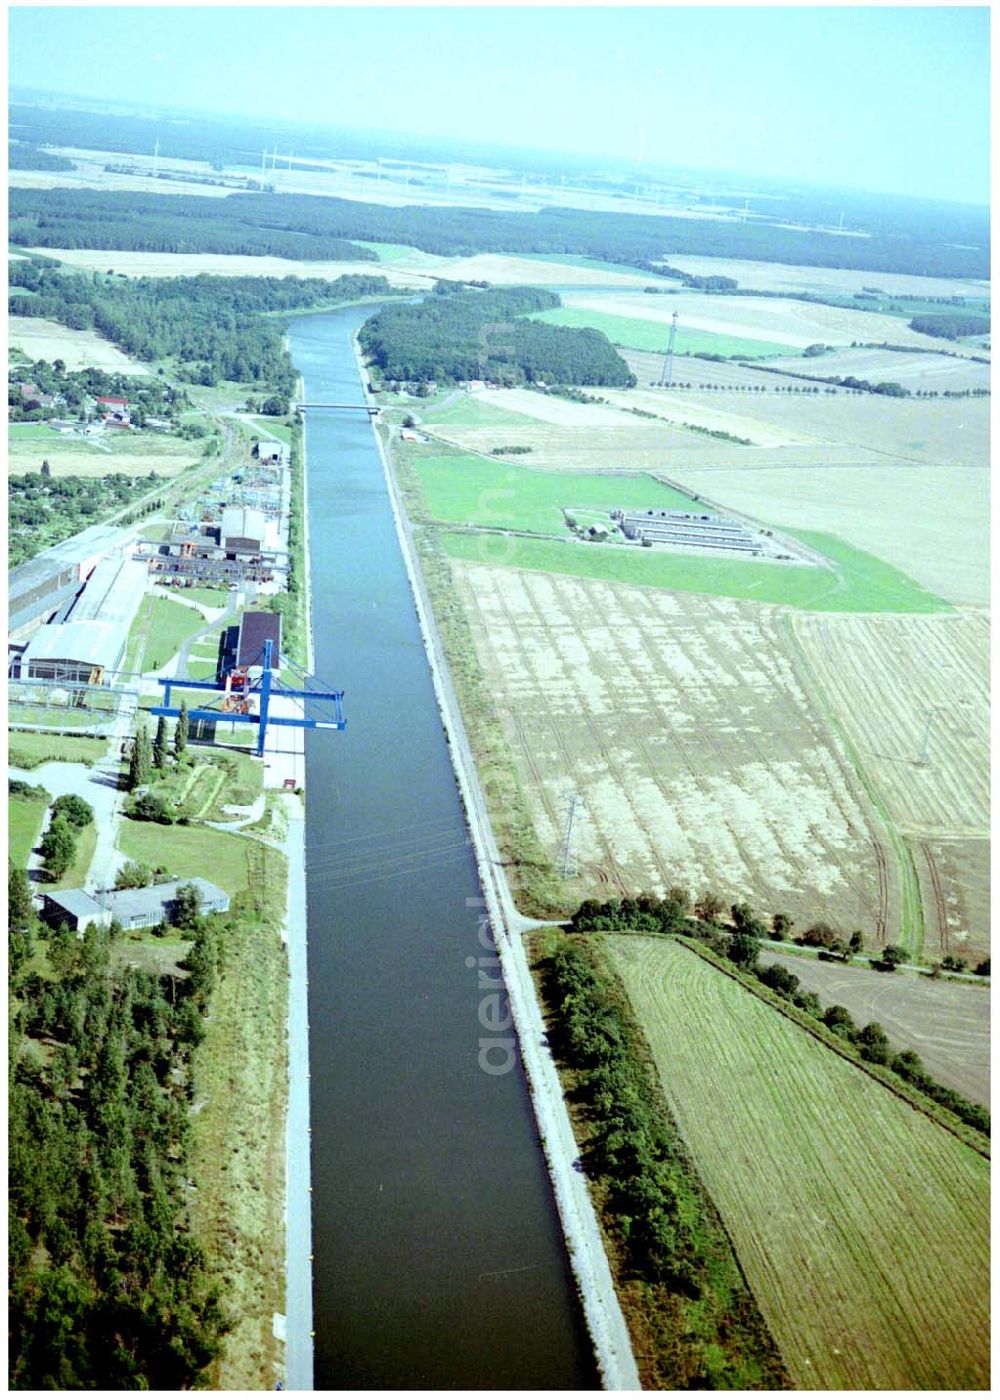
(439, 1261)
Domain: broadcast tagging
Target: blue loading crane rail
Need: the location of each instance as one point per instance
(266, 689)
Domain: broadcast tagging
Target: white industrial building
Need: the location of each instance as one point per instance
(243, 530)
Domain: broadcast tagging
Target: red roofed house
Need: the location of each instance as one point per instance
(114, 412)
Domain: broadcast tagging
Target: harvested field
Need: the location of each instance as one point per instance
(624, 443)
(138, 264)
(647, 366)
(930, 521)
(742, 418)
(955, 890)
(89, 176)
(548, 408)
(680, 723)
(858, 427)
(791, 323)
(47, 340)
(528, 272)
(947, 1023)
(133, 454)
(933, 372)
(781, 277)
(884, 676)
(862, 1225)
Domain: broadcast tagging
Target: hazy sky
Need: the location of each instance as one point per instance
(893, 99)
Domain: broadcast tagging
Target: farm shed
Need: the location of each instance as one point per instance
(74, 651)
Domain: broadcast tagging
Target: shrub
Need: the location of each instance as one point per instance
(148, 808)
(75, 811)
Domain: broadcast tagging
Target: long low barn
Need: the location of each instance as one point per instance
(141, 908)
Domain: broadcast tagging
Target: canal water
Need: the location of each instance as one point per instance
(439, 1261)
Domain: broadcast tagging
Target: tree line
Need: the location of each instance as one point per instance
(215, 327)
(108, 1287)
(463, 334)
(259, 222)
(118, 220)
(951, 325)
(738, 940)
(666, 1231)
(23, 156)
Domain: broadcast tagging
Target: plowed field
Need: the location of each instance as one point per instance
(862, 1226)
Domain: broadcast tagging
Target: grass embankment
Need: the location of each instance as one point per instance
(238, 1141)
(269, 427)
(32, 750)
(637, 334)
(460, 488)
(189, 850)
(693, 1320)
(856, 582)
(531, 874)
(240, 1068)
(861, 1225)
(24, 826)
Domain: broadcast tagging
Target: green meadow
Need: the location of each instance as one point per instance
(855, 582)
(638, 334)
(462, 489)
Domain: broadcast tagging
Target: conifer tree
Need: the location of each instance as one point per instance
(181, 732)
(140, 767)
(160, 745)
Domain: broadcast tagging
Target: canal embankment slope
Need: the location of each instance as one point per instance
(604, 1317)
(297, 1324)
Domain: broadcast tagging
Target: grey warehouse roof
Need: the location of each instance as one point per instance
(243, 522)
(91, 643)
(113, 592)
(128, 903)
(77, 902)
(72, 551)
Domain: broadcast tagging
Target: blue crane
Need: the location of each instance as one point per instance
(239, 689)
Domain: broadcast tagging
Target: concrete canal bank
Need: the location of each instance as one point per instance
(602, 1310)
